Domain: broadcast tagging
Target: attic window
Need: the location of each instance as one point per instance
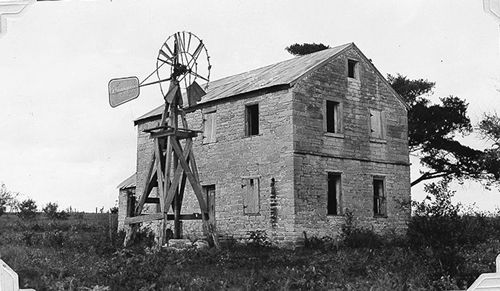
(252, 119)
(352, 69)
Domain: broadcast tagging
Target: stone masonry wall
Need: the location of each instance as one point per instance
(233, 156)
(122, 208)
(352, 153)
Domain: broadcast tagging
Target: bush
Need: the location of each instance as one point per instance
(27, 209)
(356, 237)
(317, 243)
(258, 239)
(7, 199)
(51, 211)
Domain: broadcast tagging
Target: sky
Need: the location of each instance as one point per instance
(60, 141)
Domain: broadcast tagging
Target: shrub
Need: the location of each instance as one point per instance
(7, 199)
(314, 242)
(258, 238)
(356, 237)
(27, 209)
(51, 211)
(55, 238)
(143, 238)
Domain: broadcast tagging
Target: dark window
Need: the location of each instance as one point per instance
(252, 122)
(209, 191)
(334, 194)
(332, 116)
(131, 203)
(379, 204)
(352, 69)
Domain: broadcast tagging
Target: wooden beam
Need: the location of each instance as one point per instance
(194, 216)
(154, 200)
(194, 167)
(183, 187)
(143, 218)
(176, 133)
(147, 190)
(159, 174)
(168, 162)
(194, 182)
(178, 170)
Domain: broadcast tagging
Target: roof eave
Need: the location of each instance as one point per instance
(274, 88)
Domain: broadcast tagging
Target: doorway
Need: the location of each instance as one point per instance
(210, 194)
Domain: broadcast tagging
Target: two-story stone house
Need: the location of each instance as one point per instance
(290, 147)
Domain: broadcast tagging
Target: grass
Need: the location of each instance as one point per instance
(79, 253)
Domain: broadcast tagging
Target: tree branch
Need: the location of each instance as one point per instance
(428, 176)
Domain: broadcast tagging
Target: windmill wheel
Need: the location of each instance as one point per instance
(184, 59)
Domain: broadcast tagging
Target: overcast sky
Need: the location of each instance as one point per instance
(61, 142)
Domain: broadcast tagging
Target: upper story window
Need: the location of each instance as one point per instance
(209, 127)
(376, 124)
(379, 197)
(353, 69)
(332, 116)
(252, 120)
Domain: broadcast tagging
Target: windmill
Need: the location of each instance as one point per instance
(182, 61)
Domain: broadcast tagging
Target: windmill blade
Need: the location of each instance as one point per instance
(172, 92)
(122, 90)
(194, 93)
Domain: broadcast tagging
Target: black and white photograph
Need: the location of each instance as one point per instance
(249, 145)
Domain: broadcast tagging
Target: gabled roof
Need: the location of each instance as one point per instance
(128, 183)
(282, 73)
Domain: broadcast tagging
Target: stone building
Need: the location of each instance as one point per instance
(290, 147)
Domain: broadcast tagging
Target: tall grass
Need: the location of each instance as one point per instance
(439, 253)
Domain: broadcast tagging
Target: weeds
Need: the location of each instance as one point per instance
(439, 254)
(258, 239)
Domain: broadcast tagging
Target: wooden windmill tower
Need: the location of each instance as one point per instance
(181, 61)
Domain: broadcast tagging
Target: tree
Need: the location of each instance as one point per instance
(51, 210)
(489, 128)
(438, 203)
(7, 199)
(432, 133)
(27, 209)
(305, 48)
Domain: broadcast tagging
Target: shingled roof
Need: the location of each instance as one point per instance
(128, 183)
(282, 73)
